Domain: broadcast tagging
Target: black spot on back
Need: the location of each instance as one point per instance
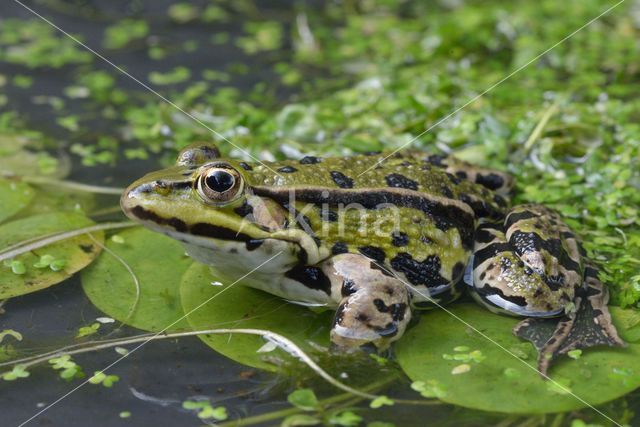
(491, 180)
(400, 181)
(436, 160)
(287, 169)
(310, 160)
(398, 238)
(328, 214)
(341, 179)
(454, 179)
(461, 174)
(373, 252)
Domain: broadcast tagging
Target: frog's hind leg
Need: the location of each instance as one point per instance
(498, 181)
(532, 266)
(373, 304)
(529, 265)
(590, 326)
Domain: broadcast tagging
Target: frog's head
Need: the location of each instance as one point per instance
(207, 203)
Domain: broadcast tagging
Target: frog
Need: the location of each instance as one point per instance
(379, 237)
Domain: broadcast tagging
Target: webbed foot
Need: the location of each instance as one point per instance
(589, 326)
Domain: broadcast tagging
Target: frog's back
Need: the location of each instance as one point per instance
(412, 171)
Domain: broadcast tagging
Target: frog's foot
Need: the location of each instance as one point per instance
(373, 304)
(590, 326)
(532, 266)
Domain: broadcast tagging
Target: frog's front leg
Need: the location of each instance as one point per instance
(373, 306)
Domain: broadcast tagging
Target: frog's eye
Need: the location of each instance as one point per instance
(219, 185)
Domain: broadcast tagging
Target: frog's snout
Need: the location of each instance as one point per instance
(134, 196)
(130, 198)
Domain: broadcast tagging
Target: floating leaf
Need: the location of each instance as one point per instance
(501, 382)
(241, 307)
(14, 196)
(381, 401)
(158, 262)
(304, 399)
(16, 372)
(76, 252)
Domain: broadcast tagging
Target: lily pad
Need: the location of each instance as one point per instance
(237, 306)
(14, 196)
(27, 272)
(158, 262)
(502, 382)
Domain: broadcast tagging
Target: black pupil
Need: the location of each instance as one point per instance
(219, 181)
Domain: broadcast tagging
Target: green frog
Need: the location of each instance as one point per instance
(378, 237)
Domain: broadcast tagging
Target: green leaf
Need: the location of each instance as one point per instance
(16, 372)
(14, 196)
(241, 307)
(346, 419)
(381, 401)
(218, 413)
(300, 420)
(304, 399)
(158, 262)
(77, 252)
(501, 382)
(85, 331)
